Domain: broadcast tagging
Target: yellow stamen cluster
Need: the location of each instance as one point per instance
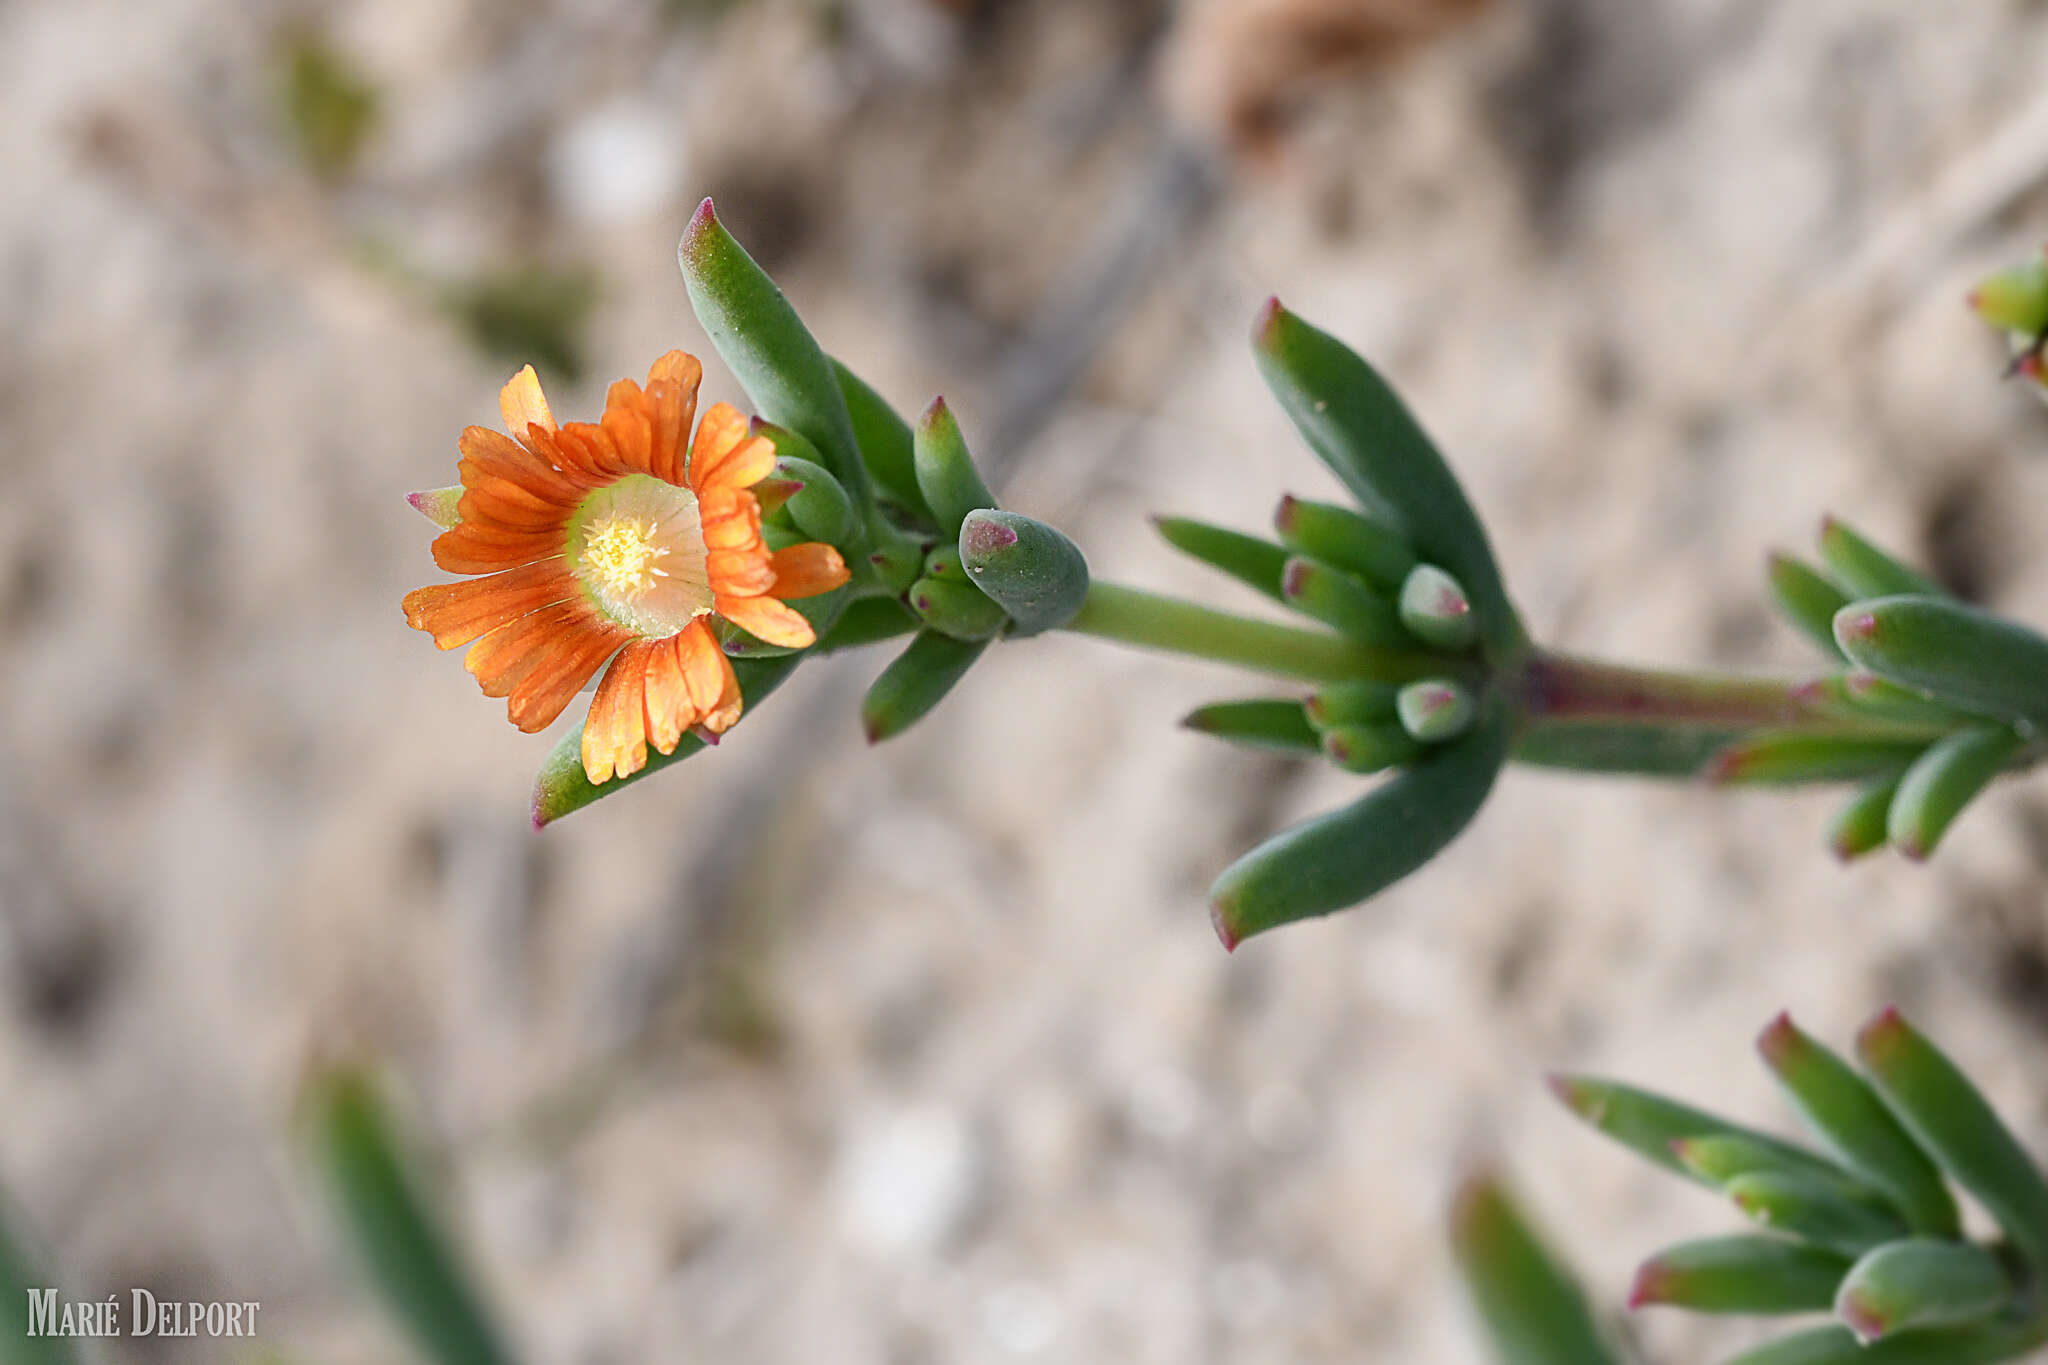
(620, 553)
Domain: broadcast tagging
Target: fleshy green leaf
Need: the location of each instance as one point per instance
(1860, 826)
(1434, 607)
(1651, 1125)
(1259, 564)
(867, 622)
(768, 347)
(1532, 1309)
(1341, 858)
(1847, 1115)
(1434, 709)
(1921, 1283)
(1352, 703)
(1780, 757)
(1808, 600)
(952, 486)
(915, 682)
(562, 786)
(385, 1219)
(821, 508)
(1743, 1274)
(1652, 751)
(1343, 603)
(1867, 571)
(1836, 1345)
(1959, 654)
(2014, 299)
(1370, 748)
(957, 608)
(1354, 422)
(1941, 1108)
(1337, 535)
(885, 442)
(1030, 569)
(1944, 780)
(1813, 1211)
(1260, 723)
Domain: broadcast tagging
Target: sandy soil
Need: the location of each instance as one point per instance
(808, 1052)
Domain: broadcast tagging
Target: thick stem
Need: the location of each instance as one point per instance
(1134, 617)
(1563, 687)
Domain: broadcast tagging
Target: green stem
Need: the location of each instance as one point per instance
(1563, 687)
(1134, 617)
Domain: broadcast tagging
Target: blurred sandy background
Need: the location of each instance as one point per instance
(806, 1052)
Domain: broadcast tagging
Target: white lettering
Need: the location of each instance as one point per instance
(42, 1312)
(144, 1315)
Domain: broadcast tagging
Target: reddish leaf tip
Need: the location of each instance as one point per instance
(984, 535)
(1862, 1317)
(1294, 577)
(1653, 1284)
(1881, 1037)
(1861, 626)
(1219, 918)
(1571, 1091)
(1285, 515)
(1778, 1039)
(1267, 323)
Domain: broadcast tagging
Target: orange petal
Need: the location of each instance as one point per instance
(456, 613)
(522, 403)
(767, 620)
(722, 428)
(669, 712)
(746, 465)
(502, 658)
(494, 453)
(720, 718)
(495, 503)
(670, 408)
(473, 548)
(552, 684)
(676, 367)
(626, 422)
(704, 666)
(591, 447)
(807, 570)
(739, 573)
(615, 735)
(738, 529)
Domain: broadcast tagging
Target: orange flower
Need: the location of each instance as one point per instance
(613, 541)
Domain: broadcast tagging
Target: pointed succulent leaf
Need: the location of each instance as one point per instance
(1812, 1211)
(951, 484)
(1353, 421)
(1781, 757)
(1846, 1114)
(1921, 1282)
(1258, 564)
(1941, 1108)
(1533, 1311)
(2014, 299)
(770, 350)
(1867, 571)
(956, 608)
(1351, 703)
(1343, 603)
(1341, 858)
(885, 442)
(1033, 571)
(819, 507)
(1370, 748)
(1742, 1274)
(1862, 824)
(438, 505)
(1725, 1157)
(562, 786)
(1869, 695)
(1808, 600)
(1653, 751)
(1652, 1126)
(1959, 654)
(396, 1238)
(1944, 780)
(1336, 535)
(1148, 620)
(1434, 607)
(1836, 1345)
(1262, 723)
(918, 679)
(867, 622)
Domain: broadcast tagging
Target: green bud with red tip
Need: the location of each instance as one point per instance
(1034, 572)
(1435, 709)
(1807, 599)
(1921, 1282)
(956, 608)
(1342, 602)
(1741, 1274)
(1781, 757)
(1435, 609)
(946, 475)
(1812, 1211)
(2014, 299)
(1959, 654)
(1863, 824)
(1264, 723)
(1352, 703)
(1375, 551)
(1369, 748)
(918, 679)
(1942, 781)
(1258, 564)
